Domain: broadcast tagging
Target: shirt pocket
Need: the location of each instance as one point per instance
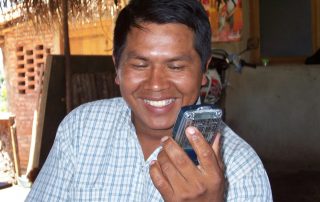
(87, 194)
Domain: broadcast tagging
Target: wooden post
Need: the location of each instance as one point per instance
(14, 143)
(67, 55)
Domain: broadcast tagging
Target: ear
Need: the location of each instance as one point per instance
(116, 80)
(204, 80)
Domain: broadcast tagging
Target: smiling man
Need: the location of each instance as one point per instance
(121, 149)
(159, 71)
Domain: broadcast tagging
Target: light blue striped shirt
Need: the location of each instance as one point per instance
(96, 156)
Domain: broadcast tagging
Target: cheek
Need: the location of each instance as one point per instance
(188, 84)
(129, 81)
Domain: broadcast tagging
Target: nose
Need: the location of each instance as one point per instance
(157, 80)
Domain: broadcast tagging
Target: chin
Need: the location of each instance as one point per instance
(164, 126)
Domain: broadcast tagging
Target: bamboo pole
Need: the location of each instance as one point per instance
(67, 55)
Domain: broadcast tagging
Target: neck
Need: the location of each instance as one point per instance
(150, 139)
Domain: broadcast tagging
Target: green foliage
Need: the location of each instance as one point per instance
(3, 95)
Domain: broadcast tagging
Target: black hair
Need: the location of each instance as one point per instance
(188, 12)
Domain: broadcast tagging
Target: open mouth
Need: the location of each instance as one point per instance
(159, 103)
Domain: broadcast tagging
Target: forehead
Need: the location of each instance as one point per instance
(149, 34)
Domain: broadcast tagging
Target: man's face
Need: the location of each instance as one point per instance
(159, 72)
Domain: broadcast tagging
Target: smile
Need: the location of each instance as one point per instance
(161, 103)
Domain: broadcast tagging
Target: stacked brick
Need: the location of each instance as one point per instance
(25, 51)
(30, 68)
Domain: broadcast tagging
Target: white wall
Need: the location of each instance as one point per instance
(277, 110)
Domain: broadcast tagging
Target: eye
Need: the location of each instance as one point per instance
(176, 66)
(140, 65)
(137, 62)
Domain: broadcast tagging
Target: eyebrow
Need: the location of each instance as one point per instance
(180, 58)
(134, 55)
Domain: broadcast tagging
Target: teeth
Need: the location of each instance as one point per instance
(160, 103)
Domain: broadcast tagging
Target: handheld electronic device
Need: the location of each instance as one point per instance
(206, 118)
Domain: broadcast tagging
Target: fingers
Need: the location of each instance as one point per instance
(205, 153)
(216, 144)
(177, 178)
(160, 181)
(216, 149)
(174, 162)
(167, 175)
(174, 174)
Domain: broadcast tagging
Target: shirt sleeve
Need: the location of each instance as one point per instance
(246, 177)
(54, 180)
(252, 186)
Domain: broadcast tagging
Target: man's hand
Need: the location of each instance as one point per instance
(178, 179)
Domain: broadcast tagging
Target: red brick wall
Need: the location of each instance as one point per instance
(25, 51)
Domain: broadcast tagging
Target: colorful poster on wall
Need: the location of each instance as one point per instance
(226, 19)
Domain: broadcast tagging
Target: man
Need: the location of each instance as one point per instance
(121, 149)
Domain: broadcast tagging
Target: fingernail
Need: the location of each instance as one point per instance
(191, 131)
(164, 139)
(152, 162)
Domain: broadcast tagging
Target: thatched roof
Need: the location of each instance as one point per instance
(48, 11)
